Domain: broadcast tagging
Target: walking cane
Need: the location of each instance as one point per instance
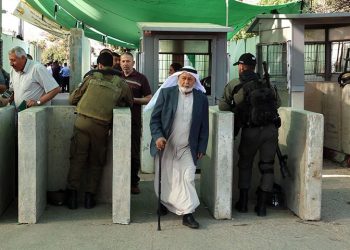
(159, 185)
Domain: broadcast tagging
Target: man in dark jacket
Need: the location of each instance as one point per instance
(179, 126)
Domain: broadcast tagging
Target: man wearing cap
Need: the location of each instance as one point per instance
(179, 126)
(254, 137)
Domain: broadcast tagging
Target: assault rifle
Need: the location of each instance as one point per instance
(281, 158)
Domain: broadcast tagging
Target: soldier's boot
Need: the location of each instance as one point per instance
(72, 198)
(242, 204)
(89, 200)
(260, 207)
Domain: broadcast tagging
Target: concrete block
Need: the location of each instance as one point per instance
(7, 156)
(79, 56)
(32, 163)
(216, 166)
(313, 97)
(75, 57)
(121, 165)
(147, 161)
(60, 99)
(60, 131)
(301, 138)
(326, 98)
(105, 189)
(332, 106)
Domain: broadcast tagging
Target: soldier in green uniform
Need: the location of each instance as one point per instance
(101, 91)
(255, 105)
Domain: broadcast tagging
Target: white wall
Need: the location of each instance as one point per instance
(8, 43)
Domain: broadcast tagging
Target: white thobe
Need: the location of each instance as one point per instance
(178, 192)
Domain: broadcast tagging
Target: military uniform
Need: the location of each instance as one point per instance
(253, 138)
(100, 92)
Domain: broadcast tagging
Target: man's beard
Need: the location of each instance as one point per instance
(186, 90)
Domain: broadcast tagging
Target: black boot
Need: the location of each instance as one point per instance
(72, 198)
(260, 207)
(89, 200)
(188, 220)
(242, 204)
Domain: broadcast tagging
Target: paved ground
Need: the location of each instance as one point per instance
(60, 228)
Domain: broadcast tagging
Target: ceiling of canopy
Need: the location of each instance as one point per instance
(115, 21)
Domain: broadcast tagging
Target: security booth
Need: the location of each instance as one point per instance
(302, 47)
(307, 55)
(200, 45)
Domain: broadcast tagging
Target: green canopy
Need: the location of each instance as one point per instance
(117, 20)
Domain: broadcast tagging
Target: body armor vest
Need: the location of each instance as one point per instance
(101, 97)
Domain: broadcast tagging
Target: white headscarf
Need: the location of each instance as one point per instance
(173, 81)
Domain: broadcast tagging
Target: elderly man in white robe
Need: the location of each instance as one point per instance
(179, 126)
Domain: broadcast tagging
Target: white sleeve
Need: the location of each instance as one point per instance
(44, 78)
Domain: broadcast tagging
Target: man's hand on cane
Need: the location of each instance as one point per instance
(160, 143)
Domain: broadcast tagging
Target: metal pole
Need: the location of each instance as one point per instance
(226, 13)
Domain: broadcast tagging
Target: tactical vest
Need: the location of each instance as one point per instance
(260, 105)
(101, 97)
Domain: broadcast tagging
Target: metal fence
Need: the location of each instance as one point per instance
(199, 61)
(340, 56)
(276, 57)
(314, 61)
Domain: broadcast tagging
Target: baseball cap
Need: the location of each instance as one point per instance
(247, 59)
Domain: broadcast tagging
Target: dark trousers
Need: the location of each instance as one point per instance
(265, 140)
(65, 84)
(135, 152)
(87, 151)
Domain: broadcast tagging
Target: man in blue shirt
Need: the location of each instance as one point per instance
(65, 73)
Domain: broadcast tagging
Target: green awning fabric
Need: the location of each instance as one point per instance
(117, 19)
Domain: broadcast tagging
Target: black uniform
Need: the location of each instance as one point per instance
(254, 137)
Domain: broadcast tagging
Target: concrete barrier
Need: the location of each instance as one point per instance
(216, 165)
(7, 156)
(32, 163)
(44, 135)
(44, 142)
(301, 138)
(60, 130)
(147, 161)
(121, 166)
(326, 98)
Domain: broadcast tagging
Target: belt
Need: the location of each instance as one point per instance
(98, 121)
